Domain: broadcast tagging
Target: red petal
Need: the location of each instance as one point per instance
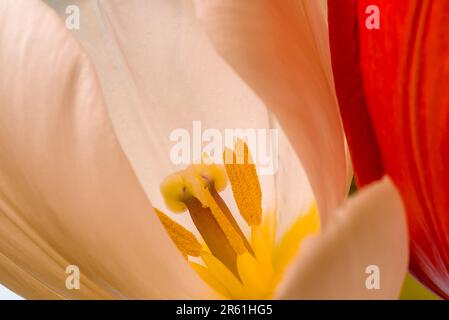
(349, 85)
(405, 71)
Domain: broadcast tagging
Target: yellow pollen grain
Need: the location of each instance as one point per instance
(184, 240)
(244, 182)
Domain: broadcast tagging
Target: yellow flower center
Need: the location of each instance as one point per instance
(234, 266)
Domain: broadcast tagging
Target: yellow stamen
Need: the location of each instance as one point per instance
(232, 235)
(207, 277)
(307, 225)
(213, 235)
(234, 266)
(258, 284)
(224, 208)
(184, 240)
(245, 183)
(195, 189)
(222, 274)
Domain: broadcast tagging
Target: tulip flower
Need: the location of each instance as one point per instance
(86, 177)
(391, 88)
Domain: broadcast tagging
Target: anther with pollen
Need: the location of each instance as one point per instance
(196, 189)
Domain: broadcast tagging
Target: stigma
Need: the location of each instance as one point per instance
(234, 265)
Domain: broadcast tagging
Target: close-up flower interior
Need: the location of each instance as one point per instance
(224, 150)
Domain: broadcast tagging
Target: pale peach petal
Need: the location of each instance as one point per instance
(159, 72)
(292, 188)
(67, 192)
(369, 230)
(280, 48)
